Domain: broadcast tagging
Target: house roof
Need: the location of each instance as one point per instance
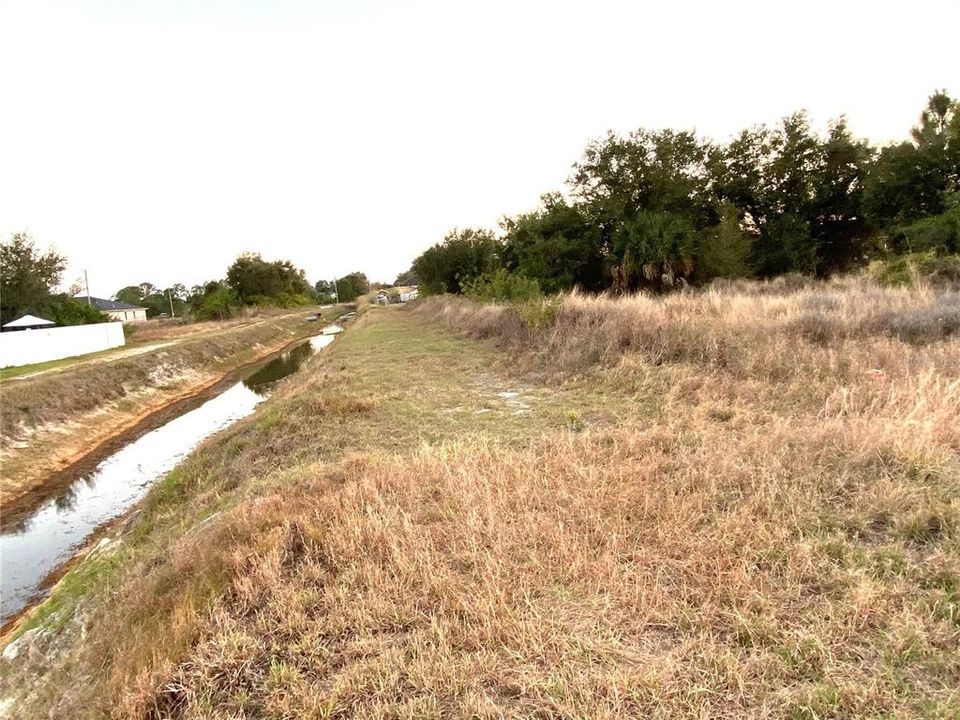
(108, 305)
(28, 321)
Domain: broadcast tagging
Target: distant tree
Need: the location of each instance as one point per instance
(407, 278)
(912, 180)
(939, 234)
(27, 277)
(213, 300)
(323, 292)
(131, 294)
(256, 281)
(463, 254)
(557, 244)
(352, 286)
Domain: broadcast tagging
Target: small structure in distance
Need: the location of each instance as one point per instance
(124, 312)
(28, 322)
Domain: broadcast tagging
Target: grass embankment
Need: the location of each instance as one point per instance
(50, 420)
(728, 504)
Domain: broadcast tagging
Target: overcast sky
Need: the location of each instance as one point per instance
(154, 141)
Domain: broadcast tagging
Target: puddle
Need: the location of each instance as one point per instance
(33, 548)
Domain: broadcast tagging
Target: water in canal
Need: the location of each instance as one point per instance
(32, 549)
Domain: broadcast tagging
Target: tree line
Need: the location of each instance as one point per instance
(250, 280)
(657, 209)
(30, 276)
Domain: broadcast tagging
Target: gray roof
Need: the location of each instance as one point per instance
(108, 305)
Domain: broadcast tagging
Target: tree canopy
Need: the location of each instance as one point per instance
(256, 281)
(461, 256)
(28, 280)
(654, 208)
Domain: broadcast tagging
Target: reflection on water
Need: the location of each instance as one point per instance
(263, 380)
(34, 548)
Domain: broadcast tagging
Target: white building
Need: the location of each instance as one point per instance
(116, 310)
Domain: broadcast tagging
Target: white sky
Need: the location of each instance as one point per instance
(154, 141)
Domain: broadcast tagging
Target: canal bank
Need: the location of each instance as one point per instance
(34, 545)
(52, 423)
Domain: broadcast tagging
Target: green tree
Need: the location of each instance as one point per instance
(256, 281)
(213, 300)
(352, 286)
(557, 244)
(463, 254)
(652, 250)
(835, 209)
(725, 249)
(64, 310)
(799, 195)
(27, 277)
(647, 171)
(323, 292)
(912, 180)
(131, 294)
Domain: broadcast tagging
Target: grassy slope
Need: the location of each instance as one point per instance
(50, 419)
(725, 528)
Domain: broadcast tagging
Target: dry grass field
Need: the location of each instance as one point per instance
(743, 502)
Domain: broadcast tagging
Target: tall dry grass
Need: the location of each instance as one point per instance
(780, 539)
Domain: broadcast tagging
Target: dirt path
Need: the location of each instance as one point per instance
(133, 351)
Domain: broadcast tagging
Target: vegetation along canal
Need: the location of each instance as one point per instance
(34, 547)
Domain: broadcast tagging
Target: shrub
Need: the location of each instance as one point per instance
(913, 267)
(502, 285)
(724, 251)
(64, 310)
(939, 234)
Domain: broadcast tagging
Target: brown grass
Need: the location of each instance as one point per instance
(778, 537)
(160, 330)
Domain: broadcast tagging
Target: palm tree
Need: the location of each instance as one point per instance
(651, 249)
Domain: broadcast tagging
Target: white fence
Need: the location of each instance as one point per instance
(23, 347)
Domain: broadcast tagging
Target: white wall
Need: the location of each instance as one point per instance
(128, 315)
(23, 347)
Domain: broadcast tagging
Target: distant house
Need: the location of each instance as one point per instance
(121, 311)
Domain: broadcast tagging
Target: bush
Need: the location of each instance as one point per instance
(502, 285)
(914, 267)
(939, 234)
(64, 310)
(724, 250)
(539, 313)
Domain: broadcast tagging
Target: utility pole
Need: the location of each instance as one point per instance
(170, 298)
(336, 293)
(86, 281)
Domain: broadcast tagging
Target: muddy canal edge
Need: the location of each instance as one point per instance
(50, 480)
(108, 536)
